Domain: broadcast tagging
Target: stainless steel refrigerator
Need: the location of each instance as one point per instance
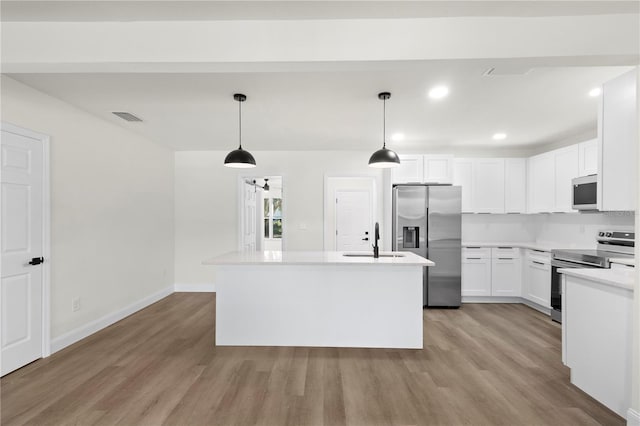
(427, 221)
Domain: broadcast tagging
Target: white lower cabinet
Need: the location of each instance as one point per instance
(492, 272)
(476, 276)
(506, 275)
(537, 274)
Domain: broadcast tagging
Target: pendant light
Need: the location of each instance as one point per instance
(240, 158)
(384, 158)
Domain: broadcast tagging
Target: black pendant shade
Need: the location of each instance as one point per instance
(384, 158)
(239, 158)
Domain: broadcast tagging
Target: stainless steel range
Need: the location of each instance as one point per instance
(611, 244)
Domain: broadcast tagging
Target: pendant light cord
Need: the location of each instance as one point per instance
(240, 123)
(384, 123)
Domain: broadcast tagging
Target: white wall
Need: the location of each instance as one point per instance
(112, 208)
(568, 229)
(206, 215)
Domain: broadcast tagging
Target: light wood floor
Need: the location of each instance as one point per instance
(482, 364)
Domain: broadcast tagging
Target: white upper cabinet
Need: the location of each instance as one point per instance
(423, 169)
(566, 169)
(515, 185)
(409, 171)
(488, 185)
(588, 158)
(463, 176)
(541, 183)
(617, 144)
(550, 176)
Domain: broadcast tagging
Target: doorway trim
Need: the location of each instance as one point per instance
(328, 201)
(240, 205)
(46, 229)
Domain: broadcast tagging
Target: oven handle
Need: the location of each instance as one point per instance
(595, 265)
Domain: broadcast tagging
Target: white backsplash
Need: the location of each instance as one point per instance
(568, 229)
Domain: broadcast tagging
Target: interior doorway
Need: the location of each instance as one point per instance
(350, 213)
(261, 213)
(24, 295)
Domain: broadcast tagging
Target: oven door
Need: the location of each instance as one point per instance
(556, 284)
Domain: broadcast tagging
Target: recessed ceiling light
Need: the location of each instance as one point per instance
(438, 92)
(499, 136)
(595, 92)
(397, 137)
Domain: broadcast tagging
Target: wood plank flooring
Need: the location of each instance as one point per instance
(483, 364)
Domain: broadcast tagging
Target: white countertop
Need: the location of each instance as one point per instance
(611, 277)
(535, 245)
(315, 258)
(623, 261)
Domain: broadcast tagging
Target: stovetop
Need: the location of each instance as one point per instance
(599, 258)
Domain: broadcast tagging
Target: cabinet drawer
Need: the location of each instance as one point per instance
(539, 255)
(476, 252)
(505, 252)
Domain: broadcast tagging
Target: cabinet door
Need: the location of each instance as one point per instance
(506, 277)
(438, 168)
(538, 282)
(515, 185)
(463, 176)
(542, 183)
(618, 137)
(410, 169)
(476, 277)
(566, 168)
(488, 185)
(588, 158)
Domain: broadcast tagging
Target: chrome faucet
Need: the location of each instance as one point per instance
(376, 237)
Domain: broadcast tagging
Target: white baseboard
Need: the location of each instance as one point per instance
(491, 299)
(86, 330)
(197, 287)
(534, 305)
(633, 417)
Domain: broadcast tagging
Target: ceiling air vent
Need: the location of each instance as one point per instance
(506, 70)
(126, 116)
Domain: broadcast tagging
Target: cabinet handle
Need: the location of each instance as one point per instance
(506, 248)
(537, 263)
(505, 258)
(473, 258)
(474, 248)
(539, 251)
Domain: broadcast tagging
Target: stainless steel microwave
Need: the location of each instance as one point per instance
(584, 192)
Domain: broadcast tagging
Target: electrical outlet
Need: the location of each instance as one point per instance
(75, 304)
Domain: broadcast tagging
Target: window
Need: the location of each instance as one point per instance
(273, 217)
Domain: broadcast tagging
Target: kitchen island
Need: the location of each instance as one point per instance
(329, 299)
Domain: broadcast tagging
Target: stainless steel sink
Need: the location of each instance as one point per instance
(371, 255)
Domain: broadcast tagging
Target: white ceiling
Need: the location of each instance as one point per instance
(340, 110)
(312, 69)
(171, 10)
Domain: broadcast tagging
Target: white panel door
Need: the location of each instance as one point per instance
(463, 176)
(488, 185)
(515, 185)
(566, 168)
(249, 240)
(538, 282)
(22, 243)
(353, 221)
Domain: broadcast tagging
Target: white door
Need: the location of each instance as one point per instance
(22, 243)
(353, 221)
(249, 236)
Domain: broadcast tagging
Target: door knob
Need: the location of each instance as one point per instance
(36, 261)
